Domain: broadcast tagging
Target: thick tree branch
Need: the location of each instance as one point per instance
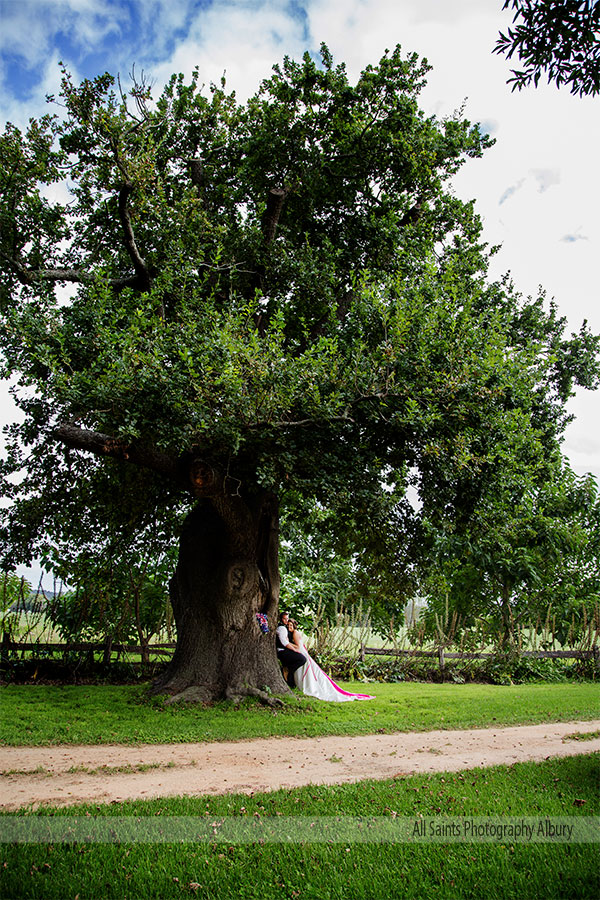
(197, 173)
(413, 215)
(105, 445)
(270, 219)
(275, 200)
(75, 276)
(141, 270)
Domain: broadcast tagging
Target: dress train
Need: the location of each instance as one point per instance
(314, 682)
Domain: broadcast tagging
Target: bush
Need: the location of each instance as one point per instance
(524, 669)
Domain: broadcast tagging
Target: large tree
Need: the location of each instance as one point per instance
(276, 301)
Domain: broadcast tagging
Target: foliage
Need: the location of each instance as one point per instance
(560, 38)
(72, 667)
(528, 545)
(316, 578)
(110, 605)
(499, 668)
(516, 670)
(414, 651)
(327, 569)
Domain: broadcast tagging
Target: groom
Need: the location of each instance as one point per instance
(287, 655)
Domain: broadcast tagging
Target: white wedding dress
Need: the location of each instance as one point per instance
(313, 681)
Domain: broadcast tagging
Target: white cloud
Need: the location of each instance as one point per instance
(489, 127)
(582, 444)
(29, 27)
(241, 39)
(544, 178)
(446, 13)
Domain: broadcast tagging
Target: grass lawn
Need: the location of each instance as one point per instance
(70, 714)
(336, 871)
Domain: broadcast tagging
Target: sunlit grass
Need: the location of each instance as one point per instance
(122, 714)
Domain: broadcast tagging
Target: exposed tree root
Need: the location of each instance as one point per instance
(196, 693)
(237, 694)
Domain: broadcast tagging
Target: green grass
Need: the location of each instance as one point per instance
(322, 871)
(100, 714)
(578, 736)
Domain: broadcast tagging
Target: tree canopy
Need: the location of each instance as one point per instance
(279, 296)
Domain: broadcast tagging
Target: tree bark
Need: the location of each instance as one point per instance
(227, 572)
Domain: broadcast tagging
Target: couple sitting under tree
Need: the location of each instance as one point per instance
(302, 671)
(289, 647)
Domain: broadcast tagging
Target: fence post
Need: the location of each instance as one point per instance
(107, 650)
(361, 655)
(441, 658)
(5, 647)
(596, 655)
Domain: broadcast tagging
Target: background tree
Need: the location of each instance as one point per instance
(560, 38)
(15, 592)
(327, 567)
(515, 540)
(276, 302)
(116, 601)
(528, 554)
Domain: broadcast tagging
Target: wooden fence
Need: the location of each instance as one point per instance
(107, 648)
(441, 654)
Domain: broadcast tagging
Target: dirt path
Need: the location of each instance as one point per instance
(65, 775)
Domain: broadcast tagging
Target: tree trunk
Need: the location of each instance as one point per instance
(227, 572)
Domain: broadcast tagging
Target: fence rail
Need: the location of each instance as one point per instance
(440, 653)
(70, 646)
(107, 648)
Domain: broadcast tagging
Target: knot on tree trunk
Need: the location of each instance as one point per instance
(204, 478)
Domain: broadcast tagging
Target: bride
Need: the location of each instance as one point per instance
(312, 680)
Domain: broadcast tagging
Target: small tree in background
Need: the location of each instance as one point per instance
(14, 596)
(528, 551)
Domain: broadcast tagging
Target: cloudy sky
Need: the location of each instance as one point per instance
(537, 189)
